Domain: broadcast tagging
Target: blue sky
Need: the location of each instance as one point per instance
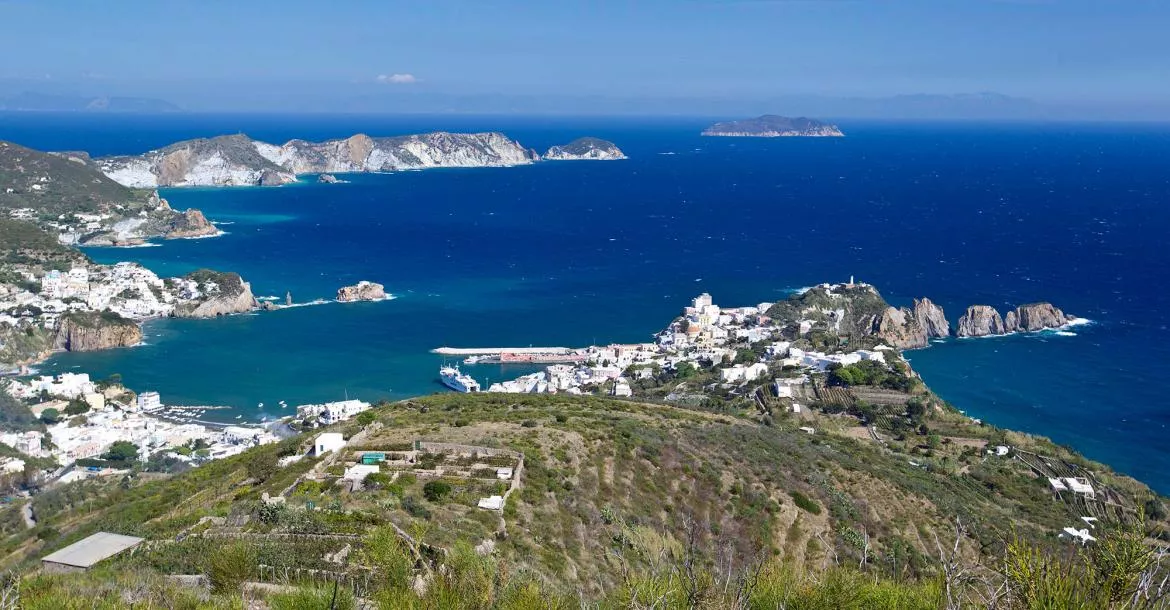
(1059, 51)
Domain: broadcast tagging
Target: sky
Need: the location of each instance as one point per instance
(200, 53)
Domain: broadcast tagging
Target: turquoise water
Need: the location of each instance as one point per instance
(578, 253)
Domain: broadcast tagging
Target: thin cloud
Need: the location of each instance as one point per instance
(397, 79)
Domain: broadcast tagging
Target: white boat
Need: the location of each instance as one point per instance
(458, 381)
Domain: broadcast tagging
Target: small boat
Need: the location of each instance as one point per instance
(239, 417)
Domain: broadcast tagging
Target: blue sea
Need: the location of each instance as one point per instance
(573, 253)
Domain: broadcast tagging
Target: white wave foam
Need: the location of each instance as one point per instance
(389, 297)
(1065, 333)
(218, 233)
(148, 244)
(1078, 322)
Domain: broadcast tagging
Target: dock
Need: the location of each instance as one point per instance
(495, 351)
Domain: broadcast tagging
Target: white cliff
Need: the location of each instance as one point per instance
(239, 160)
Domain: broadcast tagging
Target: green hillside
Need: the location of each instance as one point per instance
(618, 503)
(53, 184)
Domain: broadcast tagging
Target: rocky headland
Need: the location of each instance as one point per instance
(860, 312)
(774, 126)
(90, 331)
(362, 291)
(594, 149)
(237, 160)
(67, 196)
(221, 294)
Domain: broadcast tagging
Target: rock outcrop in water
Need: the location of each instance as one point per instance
(362, 291)
(89, 331)
(980, 321)
(1033, 317)
(910, 328)
(594, 149)
(220, 294)
(191, 223)
(932, 319)
(773, 126)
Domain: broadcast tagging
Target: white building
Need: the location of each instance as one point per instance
(358, 472)
(492, 503)
(328, 441)
(332, 412)
(149, 401)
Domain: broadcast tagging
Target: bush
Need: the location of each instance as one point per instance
(436, 491)
(805, 502)
(415, 508)
(121, 451)
(230, 566)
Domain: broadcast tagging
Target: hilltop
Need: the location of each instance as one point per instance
(62, 193)
(606, 492)
(773, 126)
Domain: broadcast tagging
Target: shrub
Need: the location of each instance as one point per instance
(436, 491)
(230, 566)
(805, 503)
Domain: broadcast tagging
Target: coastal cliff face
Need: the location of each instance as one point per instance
(221, 294)
(594, 149)
(220, 161)
(238, 160)
(84, 332)
(910, 328)
(773, 126)
(900, 328)
(1033, 317)
(932, 319)
(362, 291)
(980, 321)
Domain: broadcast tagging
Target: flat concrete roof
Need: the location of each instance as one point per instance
(85, 553)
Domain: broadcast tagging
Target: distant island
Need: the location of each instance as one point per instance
(238, 160)
(594, 149)
(774, 126)
(30, 101)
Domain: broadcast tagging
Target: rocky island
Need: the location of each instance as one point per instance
(774, 126)
(362, 291)
(585, 149)
(237, 160)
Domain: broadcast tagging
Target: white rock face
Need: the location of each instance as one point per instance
(134, 173)
(239, 160)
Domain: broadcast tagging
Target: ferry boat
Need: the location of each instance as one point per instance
(460, 382)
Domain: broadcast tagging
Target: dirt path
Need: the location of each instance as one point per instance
(26, 512)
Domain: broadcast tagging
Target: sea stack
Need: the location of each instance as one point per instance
(1033, 317)
(931, 318)
(362, 291)
(980, 321)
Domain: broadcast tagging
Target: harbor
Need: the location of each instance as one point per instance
(516, 355)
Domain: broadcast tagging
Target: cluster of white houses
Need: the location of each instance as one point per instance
(106, 420)
(702, 335)
(127, 289)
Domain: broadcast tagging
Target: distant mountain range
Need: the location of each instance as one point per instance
(47, 102)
